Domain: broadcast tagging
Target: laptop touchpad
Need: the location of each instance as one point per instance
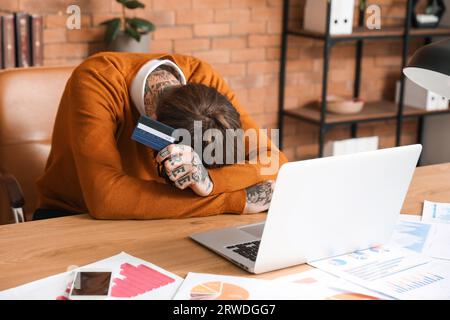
(255, 230)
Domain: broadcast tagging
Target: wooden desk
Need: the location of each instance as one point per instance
(38, 249)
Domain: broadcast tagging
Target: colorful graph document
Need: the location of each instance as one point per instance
(133, 278)
(430, 239)
(200, 286)
(436, 212)
(370, 267)
(333, 288)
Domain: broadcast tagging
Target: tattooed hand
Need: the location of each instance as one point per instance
(259, 197)
(185, 169)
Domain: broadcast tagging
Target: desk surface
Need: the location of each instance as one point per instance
(39, 249)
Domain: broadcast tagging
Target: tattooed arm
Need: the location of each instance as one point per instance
(184, 167)
(259, 197)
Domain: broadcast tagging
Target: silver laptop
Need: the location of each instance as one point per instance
(322, 208)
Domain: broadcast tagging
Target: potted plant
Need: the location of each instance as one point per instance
(128, 34)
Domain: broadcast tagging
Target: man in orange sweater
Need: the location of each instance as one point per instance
(95, 167)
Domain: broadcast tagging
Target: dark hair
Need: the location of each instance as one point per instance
(180, 106)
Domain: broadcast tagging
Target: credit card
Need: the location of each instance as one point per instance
(153, 134)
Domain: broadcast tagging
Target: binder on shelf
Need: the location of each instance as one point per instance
(8, 42)
(23, 57)
(421, 98)
(37, 39)
(350, 146)
(1, 43)
(445, 20)
(341, 16)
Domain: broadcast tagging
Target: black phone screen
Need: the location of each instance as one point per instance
(88, 283)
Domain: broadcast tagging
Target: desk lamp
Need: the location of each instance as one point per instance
(430, 68)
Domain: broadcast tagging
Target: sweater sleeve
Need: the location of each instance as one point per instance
(94, 103)
(263, 160)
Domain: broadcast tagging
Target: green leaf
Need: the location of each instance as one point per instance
(112, 29)
(133, 33)
(104, 23)
(133, 4)
(141, 25)
(122, 1)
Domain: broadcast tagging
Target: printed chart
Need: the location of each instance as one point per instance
(218, 290)
(331, 287)
(136, 280)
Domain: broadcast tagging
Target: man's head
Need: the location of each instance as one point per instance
(180, 106)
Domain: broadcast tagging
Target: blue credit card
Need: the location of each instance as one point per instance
(153, 134)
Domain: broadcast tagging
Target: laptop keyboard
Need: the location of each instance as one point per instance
(248, 250)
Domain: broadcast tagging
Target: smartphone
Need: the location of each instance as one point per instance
(91, 285)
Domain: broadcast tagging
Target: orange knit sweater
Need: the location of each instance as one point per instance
(95, 167)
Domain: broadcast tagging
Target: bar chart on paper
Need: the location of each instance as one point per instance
(137, 280)
(429, 281)
(414, 281)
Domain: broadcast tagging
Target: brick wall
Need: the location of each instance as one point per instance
(241, 38)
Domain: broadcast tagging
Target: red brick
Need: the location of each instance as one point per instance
(159, 18)
(248, 55)
(213, 56)
(251, 81)
(247, 3)
(265, 14)
(54, 35)
(255, 40)
(263, 67)
(274, 27)
(86, 35)
(195, 16)
(241, 28)
(58, 6)
(161, 46)
(212, 29)
(171, 4)
(173, 33)
(66, 50)
(231, 69)
(216, 4)
(230, 15)
(189, 45)
(229, 43)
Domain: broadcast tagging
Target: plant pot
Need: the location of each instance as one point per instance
(125, 43)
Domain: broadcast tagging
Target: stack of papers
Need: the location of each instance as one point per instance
(436, 212)
(133, 278)
(414, 265)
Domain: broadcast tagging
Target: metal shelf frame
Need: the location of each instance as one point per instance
(404, 34)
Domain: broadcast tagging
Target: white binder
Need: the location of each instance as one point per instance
(341, 18)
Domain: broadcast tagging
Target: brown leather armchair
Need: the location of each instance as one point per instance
(29, 99)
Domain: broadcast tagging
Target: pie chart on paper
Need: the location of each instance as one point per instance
(218, 290)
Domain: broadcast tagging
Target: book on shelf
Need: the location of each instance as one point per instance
(23, 56)
(37, 39)
(8, 40)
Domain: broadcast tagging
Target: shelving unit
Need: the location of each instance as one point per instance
(373, 111)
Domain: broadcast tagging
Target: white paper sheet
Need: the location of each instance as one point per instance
(127, 271)
(409, 217)
(430, 239)
(200, 286)
(430, 281)
(436, 212)
(333, 287)
(366, 268)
